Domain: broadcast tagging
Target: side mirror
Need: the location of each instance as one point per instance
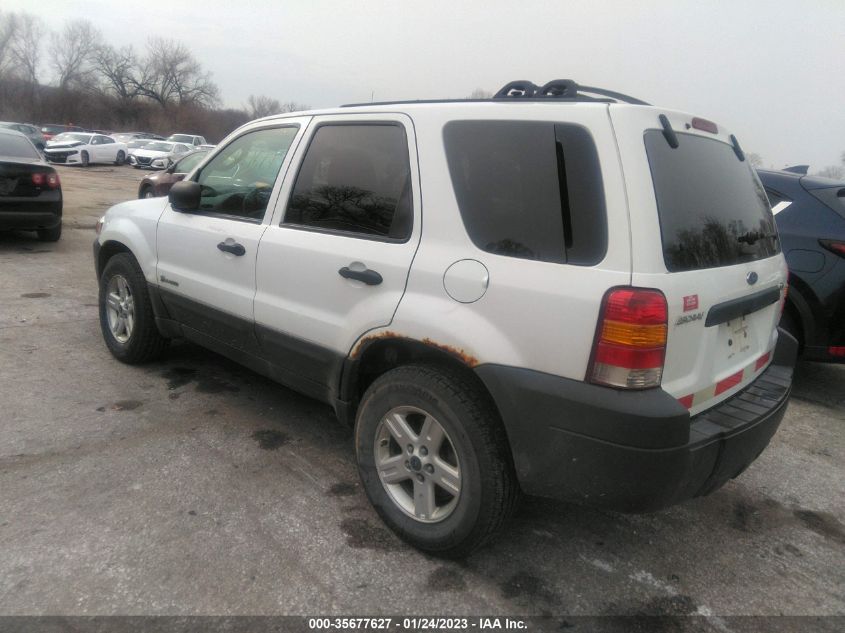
(185, 196)
(171, 168)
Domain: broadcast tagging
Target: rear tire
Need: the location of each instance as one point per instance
(147, 192)
(435, 402)
(50, 235)
(121, 158)
(127, 320)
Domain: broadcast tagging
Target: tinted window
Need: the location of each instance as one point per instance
(356, 179)
(713, 210)
(181, 138)
(528, 189)
(105, 139)
(189, 162)
(18, 146)
(238, 181)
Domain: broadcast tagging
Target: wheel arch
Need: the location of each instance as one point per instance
(375, 355)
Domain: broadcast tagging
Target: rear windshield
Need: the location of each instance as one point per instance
(181, 138)
(19, 146)
(713, 210)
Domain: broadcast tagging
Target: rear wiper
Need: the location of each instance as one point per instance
(753, 236)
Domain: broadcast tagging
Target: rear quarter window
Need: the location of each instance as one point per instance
(713, 209)
(526, 189)
(16, 146)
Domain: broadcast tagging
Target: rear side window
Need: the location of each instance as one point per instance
(16, 146)
(355, 178)
(713, 210)
(526, 189)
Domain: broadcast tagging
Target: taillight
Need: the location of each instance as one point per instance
(630, 345)
(50, 178)
(838, 351)
(834, 246)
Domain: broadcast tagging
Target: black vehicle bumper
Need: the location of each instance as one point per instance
(633, 451)
(30, 214)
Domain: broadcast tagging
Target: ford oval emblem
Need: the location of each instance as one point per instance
(751, 278)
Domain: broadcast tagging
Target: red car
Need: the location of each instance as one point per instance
(49, 130)
(159, 183)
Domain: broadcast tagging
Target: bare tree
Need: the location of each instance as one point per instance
(293, 106)
(118, 71)
(262, 106)
(480, 93)
(72, 51)
(26, 45)
(171, 75)
(8, 27)
(754, 159)
(835, 172)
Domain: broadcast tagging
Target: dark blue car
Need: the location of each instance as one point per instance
(810, 215)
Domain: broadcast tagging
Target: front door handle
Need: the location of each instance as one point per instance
(369, 277)
(232, 247)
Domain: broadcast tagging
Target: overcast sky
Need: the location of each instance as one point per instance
(771, 71)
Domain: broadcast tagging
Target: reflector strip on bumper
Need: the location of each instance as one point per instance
(741, 377)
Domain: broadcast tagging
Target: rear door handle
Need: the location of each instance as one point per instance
(369, 277)
(232, 247)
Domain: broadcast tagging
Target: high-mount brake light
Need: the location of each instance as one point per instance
(630, 345)
(704, 125)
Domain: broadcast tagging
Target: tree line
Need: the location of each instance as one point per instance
(75, 76)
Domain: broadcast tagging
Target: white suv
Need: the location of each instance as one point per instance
(560, 290)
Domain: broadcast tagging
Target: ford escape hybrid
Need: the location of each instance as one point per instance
(561, 291)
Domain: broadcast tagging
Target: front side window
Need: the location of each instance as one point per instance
(238, 180)
(355, 178)
(188, 163)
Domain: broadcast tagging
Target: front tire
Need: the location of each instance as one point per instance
(434, 460)
(127, 320)
(84, 158)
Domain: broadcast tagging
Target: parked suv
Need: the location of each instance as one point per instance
(560, 290)
(810, 214)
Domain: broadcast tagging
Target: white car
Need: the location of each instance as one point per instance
(590, 313)
(157, 154)
(83, 148)
(190, 139)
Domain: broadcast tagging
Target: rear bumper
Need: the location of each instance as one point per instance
(30, 213)
(633, 451)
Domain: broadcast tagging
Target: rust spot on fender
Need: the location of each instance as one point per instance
(466, 359)
(372, 338)
(460, 354)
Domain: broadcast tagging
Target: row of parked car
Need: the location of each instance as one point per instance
(70, 144)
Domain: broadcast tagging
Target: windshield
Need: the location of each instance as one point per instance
(159, 146)
(181, 138)
(14, 145)
(713, 210)
(73, 136)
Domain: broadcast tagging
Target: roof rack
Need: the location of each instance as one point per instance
(561, 89)
(555, 90)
